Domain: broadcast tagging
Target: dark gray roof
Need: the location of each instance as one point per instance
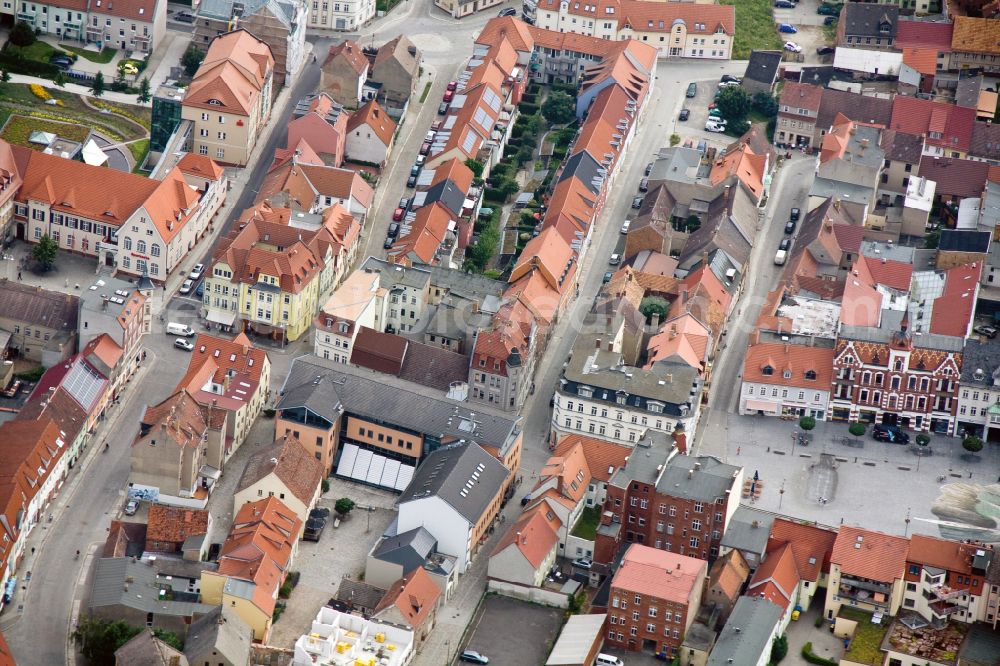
(586, 169)
(703, 478)
(981, 647)
(38, 307)
(221, 630)
(747, 634)
(980, 360)
(985, 141)
(432, 366)
(390, 275)
(964, 240)
(967, 90)
(409, 549)
(763, 66)
(748, 530)
(448, 194)
(321, 384)
(468, 285)
(860, 108)
(868, 20)
(145, 648)
(359, 594)
(902, 146)
(699, 637)
(223, 9)
(817, 76)
(463, 475)
(109, 588)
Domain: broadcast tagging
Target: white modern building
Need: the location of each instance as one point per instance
(341, 639)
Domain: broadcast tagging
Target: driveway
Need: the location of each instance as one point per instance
(514, 633)
(810, 26)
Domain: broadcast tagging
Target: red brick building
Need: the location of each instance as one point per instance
(654, 599)
(681, 506)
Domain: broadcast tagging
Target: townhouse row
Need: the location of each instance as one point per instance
(130, 26)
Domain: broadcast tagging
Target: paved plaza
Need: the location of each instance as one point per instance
(839, 479)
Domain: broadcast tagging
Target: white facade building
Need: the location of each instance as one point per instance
(336, 15)
(341, 639)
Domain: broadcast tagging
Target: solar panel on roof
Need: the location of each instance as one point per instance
(83, 384)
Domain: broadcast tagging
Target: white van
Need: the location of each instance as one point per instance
(179, 329)
(779, 258)
(608, 660)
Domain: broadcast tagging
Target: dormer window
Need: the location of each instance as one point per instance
(787, 374)
(811, 374)
(215, 102)
(767, 370)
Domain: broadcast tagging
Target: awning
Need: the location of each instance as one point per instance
(763, 406)
(227, 318)
(93, 155)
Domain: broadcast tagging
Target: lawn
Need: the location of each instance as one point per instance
(755, 27)
(865, 646)
(139, 150)
(586, 526)
(102, 57)
(40, 51)
(19, 128)
(18, 99)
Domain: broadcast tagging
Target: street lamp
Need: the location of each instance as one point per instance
(906, 522)
(795, 435)
(781, 494)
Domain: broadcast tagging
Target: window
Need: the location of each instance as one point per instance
(220, 152)
(155, 249)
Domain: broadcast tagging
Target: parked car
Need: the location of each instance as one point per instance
(988, 331)
(715, 125)
(415, 170)
(452, 85)
(644, 185)
(784, 4)
(388, 242)
(727, 84)
(828, 10)
(825, 50)
(830, 20)
(421, 159)
(425, 147)
(793, 47)
(730, 77)
(200, 289)
(637, 202)
(404, 202)
(131, 507)
(780, 257)
(607, 277)
(883, 432)
(393, 229)
(187, 287)
(692, 89)
(714, 113)
(785, 244)
(684, 115)
(442, 108)
(184, 17)
(14, 388)
(787, 28)
(790, 227)
(583, 563)
(649, 169)
(128, 69)
(625, 226)
(473, 657)
(397, 214)
(509, 11)
(795, 214)
(60, 60)
(436, 125)
(183, 343)
(197, 272)
(315, 525)
(411, 181)
(448, 95)
(615, 259)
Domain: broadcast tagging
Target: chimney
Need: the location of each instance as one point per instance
(655, 320)
(673, 331)
(246, 349)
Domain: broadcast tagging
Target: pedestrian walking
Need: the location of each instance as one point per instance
(19, 276)
(32, 550)
(738, 449)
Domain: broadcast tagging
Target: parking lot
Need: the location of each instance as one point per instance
(513, 633)
(810, 29)
(694, 127)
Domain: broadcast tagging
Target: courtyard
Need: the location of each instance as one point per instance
(513, 633)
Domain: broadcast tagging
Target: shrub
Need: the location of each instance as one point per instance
(40, 92)
(857, 429)
(807, 423)
(812, 658)
(923, 439)
(972, 444)
(32, 375)
(819, 621)
(285, 590)
(343, 506)
(325, 485)
(269, 412)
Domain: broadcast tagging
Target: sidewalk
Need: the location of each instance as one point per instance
(108, 95)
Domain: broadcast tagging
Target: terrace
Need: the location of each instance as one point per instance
(866, 644)
(912, 636)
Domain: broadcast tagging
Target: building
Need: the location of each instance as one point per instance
(395, 71)
(726, 578)
(376, 428)
(253, 563)
(945, 580)
(527, 551)
(786, 379)
(270, 275)
(344, 72)
(175, 530)
(411, 603)
(579, 641)
(334, 634)
(370, 134)
(748, 634)
(460, 8)
(220, 637)
(762, 72)
(307, 185)
(682, 504)
(172, 456)
(232, 377)
(115, 310)
(502, 368)
(229, 99)
(350, 16)
(947, 128)
(455, 495)
(319, 125)
(397, 555)
(979, 393)
(812, 546)
(868, 26)
(281, 24)
(132, 26)
(284, 470)
(654, 598)
(867, 571)
(41, 324)
(145, 648)
(11, 179)
(972, 45)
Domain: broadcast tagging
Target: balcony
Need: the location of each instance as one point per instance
(945, 593)
(869, 585)
(942, 609)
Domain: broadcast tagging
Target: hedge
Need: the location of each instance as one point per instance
(16, 65)
(528, 108)
(813, 658)
(494, 195)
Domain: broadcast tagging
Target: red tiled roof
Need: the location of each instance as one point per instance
(954, 308)
(776, 578)
(811, 546)
(603, 458)
(975, 35)
(290, 463)
(659, 574)
(509, 28)
(895, 274)
(728, 573)
(532, 535)
(234, 72)
(795, 358)
(924, 34)
(374, 116)
(659, 17)
(955, 177)
(953, 556)
(414, 597)
(800, 96)
(236, 365)
(873, 555)
(921, 116)
(174, 524)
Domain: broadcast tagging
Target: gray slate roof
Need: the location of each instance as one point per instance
(322, 384)
(221, 630)
(747, 634)
(146, 649)
(359, 594)
(742, 535)
(409, 549)
(109, 589)
(38, 307)
(865, 19)
(223, 9)
(464, 476)
(391, 275)
(980, 356)
(763, 66)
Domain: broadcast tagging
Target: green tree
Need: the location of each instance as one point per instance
(779, 648)
(675, 139)
(559, 108)
(4, 76)
(22, 34)
(191, 60)
(98, 85)
(765, 104)
(653, 305)
(931, 240)
(144, 95)
(98, 639)
(807, 423)
(61, 79)
(343, 506)
(734, 104)
(475, 166)
(923, 439)
(972, 444)
(170, 638)
(44, 252)
(692, 223)
(857, 429)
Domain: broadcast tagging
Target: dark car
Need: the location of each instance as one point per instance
(649, 169)
(388, 242)
(636, 202)
(607, 277)
(684, 115)
(830, 20)
(692, 89)
(784, 4)
(184, 17)
(824, 50)
(414, 170)
(411, 181)
(726, 78)
(644, 185)
(442, 108)
(509, 11)
(425, 147)
(794, 216)
(393, 229)
(785, 244)
(200, 289)
(790, 227)
(60, 59)
(828, 10)
(890, 433)
(473, 657)
(315, 524)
